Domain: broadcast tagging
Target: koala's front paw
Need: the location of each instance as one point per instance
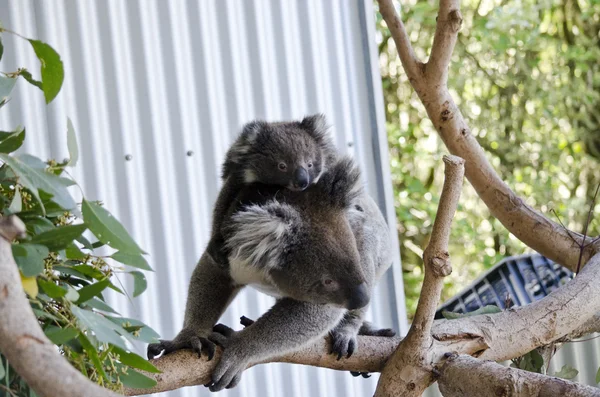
(228, 372)
(343, 342)
(186, 339)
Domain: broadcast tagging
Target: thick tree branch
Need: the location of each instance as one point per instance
(528, 225)
(412, 65)
(408, 372)
(23, 342)
(464, 376)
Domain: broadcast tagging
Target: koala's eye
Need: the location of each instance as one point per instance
(310, 165)
(282, 166)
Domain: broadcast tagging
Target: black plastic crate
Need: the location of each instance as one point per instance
(525, 278)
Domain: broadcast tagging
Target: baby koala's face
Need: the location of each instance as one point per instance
(285, 155)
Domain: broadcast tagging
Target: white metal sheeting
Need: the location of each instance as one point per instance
(167, 84)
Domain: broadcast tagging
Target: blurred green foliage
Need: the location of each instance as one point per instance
(526, 76)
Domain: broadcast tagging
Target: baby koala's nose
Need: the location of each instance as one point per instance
(301, 178)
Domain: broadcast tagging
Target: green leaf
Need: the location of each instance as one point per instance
(27, 76)
(567, 372)
(105, 330)
(144, 334)
(97, 304)
(135, 361)
(139, 283)
(92, 353)
(51, 69)
(107, 229)
(60, 237)
(51, 289)
(87, 293)
(597, 376)
(16, 205)
(72, 252)
(90, 271)
(11, 141)
(85, 242)
(60, 336)
(137, 261)
(38, 225)
(6, 86)
(489, 309)
(136, 380)
(34, 179)
(30, 258)
(42, 314)
(72, 294)
(72, 144)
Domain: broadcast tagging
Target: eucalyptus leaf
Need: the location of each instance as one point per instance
(107, 229)
(97, 304)
(6, 86)
(51, 289)
(139, 283)
(136, 380)
(135, 361)
(85, 242)
(72, 252)
(16, 204)
(132, 260)
(72, 294)
(102, 328)
(92, 290)
(29, 78)
(2, 370)
(72, 144)
(144, 332)
(30, 286)
(60, 336)
(597, 376)
(567, 372)
(92, 353)
(51, 69)
(60, 237)
(30, 258)
(11, 141)
(35, 179)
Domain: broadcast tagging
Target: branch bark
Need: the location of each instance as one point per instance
(534, 229)
(408, 372)
(464, 376)
(23, 342)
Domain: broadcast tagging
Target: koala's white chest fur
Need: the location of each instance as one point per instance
(244, 273)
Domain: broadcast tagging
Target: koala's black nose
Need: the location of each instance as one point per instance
(301, 178)
(358, 297)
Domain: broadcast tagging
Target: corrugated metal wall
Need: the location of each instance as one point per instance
(158, 80)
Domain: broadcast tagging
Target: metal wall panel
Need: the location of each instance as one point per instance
(157, 79)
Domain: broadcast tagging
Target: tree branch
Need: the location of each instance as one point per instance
(528, 225)
(449, 21)
(412, 65)
(408, 372)
(23, 342)
(464, 376)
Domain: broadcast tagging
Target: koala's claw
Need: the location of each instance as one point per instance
(342, 344)
(245, 321)
(369, 329)
(196, 343)
(363, 374)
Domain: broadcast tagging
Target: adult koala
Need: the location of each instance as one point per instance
(319, 252)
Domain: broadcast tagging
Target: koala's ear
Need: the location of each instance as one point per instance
(259, 233)
(251, 130)
(316, 125)
(341, 184)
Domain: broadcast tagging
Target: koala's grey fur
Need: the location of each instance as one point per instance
(303, 146)
(312, 250)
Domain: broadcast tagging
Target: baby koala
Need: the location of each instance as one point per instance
(291, 154)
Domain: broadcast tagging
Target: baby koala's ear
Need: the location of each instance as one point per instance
(251, 130)
(316, 125)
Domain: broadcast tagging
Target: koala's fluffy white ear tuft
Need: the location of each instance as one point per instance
(259, 233)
